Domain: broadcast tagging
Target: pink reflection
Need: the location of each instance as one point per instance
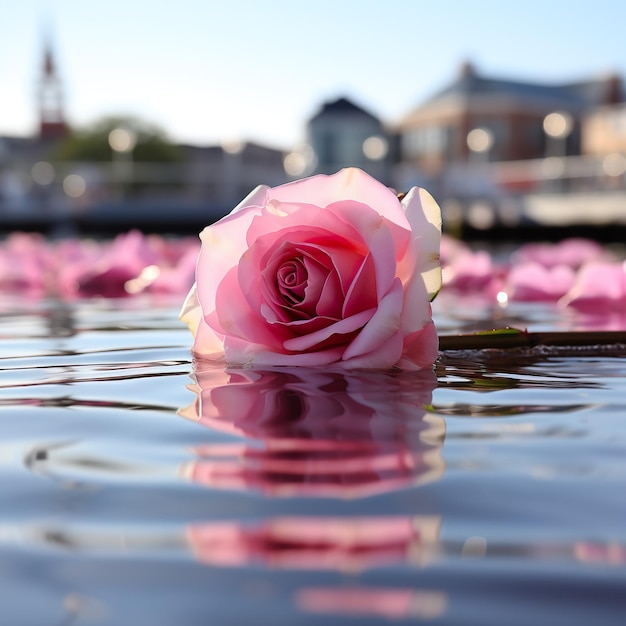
(601, 553)
(352, 544)
(392, 603)
(310, 432)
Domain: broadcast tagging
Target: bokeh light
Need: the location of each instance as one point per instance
(375, 148)
(43, 173)
(614, 164)
(122, 140)
(480, 140)
(558, 124)
(74, 186)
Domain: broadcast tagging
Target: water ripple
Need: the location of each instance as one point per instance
(135, 487)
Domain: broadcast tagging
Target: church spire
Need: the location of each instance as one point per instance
(52, 123)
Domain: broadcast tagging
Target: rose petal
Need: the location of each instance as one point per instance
(285, 221)
(380, 241)
(416, 311)
(342, 327)
(222, 245)
(421, 348)
(383, 357)
(207, 343)
(191, 313)
(361, 294)
(256, 198)
(534, 282)
(330, 298)
(242, 353)
(599, 287)
(383, 325)
(233, 315)
(424, 216)
(350, 184)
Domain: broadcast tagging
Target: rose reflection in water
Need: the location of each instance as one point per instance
(309, 433)
(315, 433)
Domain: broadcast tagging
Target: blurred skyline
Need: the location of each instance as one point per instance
(208, 71)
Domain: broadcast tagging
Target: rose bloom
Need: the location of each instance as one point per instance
(325, 270)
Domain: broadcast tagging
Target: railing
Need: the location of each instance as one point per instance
(553, 190)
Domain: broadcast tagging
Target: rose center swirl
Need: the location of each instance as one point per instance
(292, 278)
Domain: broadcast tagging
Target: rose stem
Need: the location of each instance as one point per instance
(524, 339)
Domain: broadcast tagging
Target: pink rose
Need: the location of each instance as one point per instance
(329, 269)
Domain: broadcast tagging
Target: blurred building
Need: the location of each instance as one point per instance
(40, 189)
(482, 119)
(604, 130)
(52, 122)
(343, 134)
(224, 174)
(480, 142)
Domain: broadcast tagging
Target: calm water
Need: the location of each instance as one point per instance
(491, 493)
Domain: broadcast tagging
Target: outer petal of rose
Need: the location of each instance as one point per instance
(223, 243)
(242, 353)
(257, 197)
(279, 219)
(207, 343)
(342, 327)
(349, 184)
(424, 215)
(383, 325)
(384, 357)
(190, 312)
(421, 349)
(416, 311)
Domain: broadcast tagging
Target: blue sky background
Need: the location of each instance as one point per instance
(207, 70)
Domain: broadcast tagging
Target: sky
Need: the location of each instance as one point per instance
(209, 71)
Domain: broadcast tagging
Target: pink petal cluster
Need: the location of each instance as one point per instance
(324, 270)
(575, 273)
(532, 282)
(130, 264)
(578, 275)
(573, 252)
(599, 286)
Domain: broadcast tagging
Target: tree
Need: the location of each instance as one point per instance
(92, 143)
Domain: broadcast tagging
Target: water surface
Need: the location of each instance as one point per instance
(136, 490)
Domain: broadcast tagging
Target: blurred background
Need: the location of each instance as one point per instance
(161, 116)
